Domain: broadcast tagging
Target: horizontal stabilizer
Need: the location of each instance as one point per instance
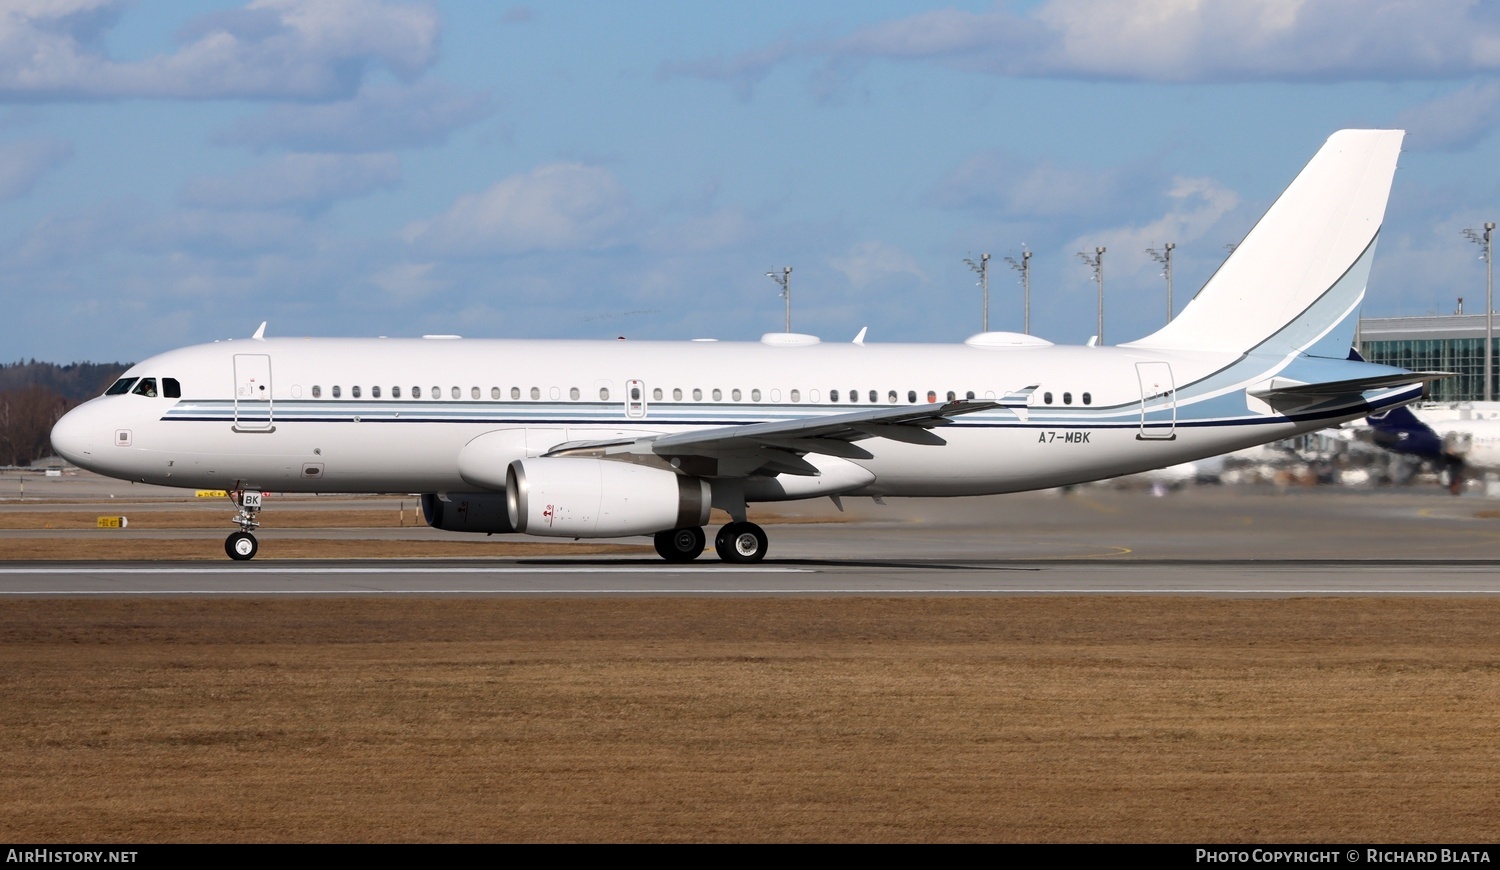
(1287, 388)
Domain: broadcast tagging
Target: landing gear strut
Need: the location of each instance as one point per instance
(741, 542)
(242, 546)
(680, 545)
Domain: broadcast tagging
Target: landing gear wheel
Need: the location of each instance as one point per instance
(680, 545)
(241, 546)
(741, 542)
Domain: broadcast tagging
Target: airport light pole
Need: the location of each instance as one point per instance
(1096, 263)
(1024, 267)
(1165, 259)
(983, 269)
(1485, 242)
(785, 280)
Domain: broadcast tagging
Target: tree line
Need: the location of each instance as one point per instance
(34, 395)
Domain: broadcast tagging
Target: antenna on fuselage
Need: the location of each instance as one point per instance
(260, 334)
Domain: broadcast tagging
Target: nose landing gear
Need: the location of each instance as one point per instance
(242, 546)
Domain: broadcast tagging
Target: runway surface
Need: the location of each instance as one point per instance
(639, 578)
(1227, 541)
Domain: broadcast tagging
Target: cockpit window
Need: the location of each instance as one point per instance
(171, 388)
(147, 387)
(120, 387)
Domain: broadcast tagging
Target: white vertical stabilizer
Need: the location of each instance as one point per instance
(1300, 274)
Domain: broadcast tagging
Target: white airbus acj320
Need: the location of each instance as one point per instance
(588, 439)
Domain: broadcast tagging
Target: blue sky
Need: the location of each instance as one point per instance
(177, 172)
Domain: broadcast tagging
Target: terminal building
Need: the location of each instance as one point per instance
(1443, 343)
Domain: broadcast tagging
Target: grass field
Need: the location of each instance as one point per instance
(1016, 719)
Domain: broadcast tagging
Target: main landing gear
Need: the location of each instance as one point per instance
(737, 542)
(242, 546)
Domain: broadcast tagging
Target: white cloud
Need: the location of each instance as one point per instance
(867, 262)
(23, 163)
(380, 116)
(713, 231)
(743, 71)
(1453, 121)
(1167, 41)
(1005, 186)
(296, 180)
(1197, 206)
(407, 281)
(560, 206)
(303, 49)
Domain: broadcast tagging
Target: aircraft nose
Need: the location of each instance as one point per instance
(74, 438)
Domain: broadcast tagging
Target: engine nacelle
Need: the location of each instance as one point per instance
(598, 498)
(483, 512)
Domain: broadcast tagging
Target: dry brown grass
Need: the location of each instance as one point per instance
(1016, 719)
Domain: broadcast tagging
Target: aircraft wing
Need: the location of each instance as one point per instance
(776, 447)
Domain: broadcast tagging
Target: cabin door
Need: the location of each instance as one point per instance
(252, 392)
(1158, 401)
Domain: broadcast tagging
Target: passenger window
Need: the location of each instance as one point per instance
(854, 395)
(833, 395)
(317, 392)
(473, 392)
(697, 394)
(875, 396)
(735, 394)
(755, 395)
(416, 392)
(536, 393)
(676, 394)
(1047, 398)
(1088, 399)
(796, 395)
(969, 395)
(893, 399)
(515, 392)
(1067, 398)
(395, 392)
(911, 396)
(812, 395)
(952, 395)
(437, 393)
(573, 393)
(656, 394)
(336, 391)
(604, 394)
(455, 393)
(374, 392)
(931, 396)
(171, 388)
(120, 387)
(494, 392)
(147, 387)
(718, 394)
(354, 392)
